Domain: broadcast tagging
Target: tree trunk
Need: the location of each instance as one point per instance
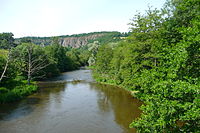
(29, 80)
(6, 66)
(29, 66)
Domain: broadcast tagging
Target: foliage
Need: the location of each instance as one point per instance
(102, 37)
(11, 70)
(30, 60)
(58, 54)
(17, 93)
(6, 40)
(160, 61)
(33, 62)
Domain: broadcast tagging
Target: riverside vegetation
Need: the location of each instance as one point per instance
(22, 64)
(28, 59)
(160, 63)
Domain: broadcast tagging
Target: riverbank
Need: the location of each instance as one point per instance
(18, 88)
(104, 80)
(16, 91)
(133, 93)
(62, 105)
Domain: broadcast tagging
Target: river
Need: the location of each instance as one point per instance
(71, 103)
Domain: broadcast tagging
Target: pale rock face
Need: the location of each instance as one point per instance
(77, 42)
(74, 41)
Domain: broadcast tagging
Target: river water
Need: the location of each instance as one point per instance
(71, 103)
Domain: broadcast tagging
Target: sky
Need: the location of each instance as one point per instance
(66, 17)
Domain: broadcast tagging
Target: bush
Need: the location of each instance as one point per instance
(17, 93)
(3, 90)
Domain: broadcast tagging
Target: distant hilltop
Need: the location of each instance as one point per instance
(76, 40)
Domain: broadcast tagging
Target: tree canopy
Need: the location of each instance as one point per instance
(159, 62)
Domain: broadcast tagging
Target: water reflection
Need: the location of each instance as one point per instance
(74, 106)
(124, 106)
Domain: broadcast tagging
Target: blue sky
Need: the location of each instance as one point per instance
(65, 17)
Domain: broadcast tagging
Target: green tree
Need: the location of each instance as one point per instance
(31, 60)
(7, 69)
(102, 64)
(159, 61)
(171, 90)
(58, 54)
(6, 40)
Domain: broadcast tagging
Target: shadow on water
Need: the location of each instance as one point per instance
(11, 111)
(124, 106)
(17, 110)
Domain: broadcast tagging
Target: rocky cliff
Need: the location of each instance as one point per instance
(77, 42)
(74, 41)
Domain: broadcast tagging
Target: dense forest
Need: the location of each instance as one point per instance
(160, 64)
(23, 61)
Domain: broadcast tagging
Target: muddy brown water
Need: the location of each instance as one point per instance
(71, 103)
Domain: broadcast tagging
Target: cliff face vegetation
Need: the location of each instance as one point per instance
(75, 41)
